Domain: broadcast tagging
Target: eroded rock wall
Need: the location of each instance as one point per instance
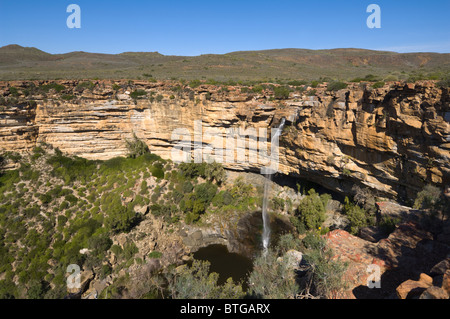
(393, 139)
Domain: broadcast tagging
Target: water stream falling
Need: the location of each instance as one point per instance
(268, 173)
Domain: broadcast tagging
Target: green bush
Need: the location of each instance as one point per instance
(378, 85)
(444, 82)
(336, 86)
(356, 215)
(85, 85)
(215, 172)
(136, 147)
(257, 89)
(37, 290)
(195, 83)
(429, 198)
(311, 210)
(67, 97)
(272, 278)
(315, 84)
(121, 219)
(325, 273)
(281, 92)
(155, 255)
(14, 91)
(205, 192)
(47, 87)
(197, 282)
(223, 198)
(138, 94)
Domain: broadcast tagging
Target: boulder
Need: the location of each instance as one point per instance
(412, 288)
(294, 258)
(446, 281)
(85, 278)
(434, 293)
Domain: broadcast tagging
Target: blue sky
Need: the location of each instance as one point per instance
(194, 27)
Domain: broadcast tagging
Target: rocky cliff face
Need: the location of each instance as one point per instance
(393, 139)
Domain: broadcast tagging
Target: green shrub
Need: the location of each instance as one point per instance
(429, 198)
(14, 91)
(257, 89)
(205, 192)
(388, 224)
(71, 199)
(356, 215)
(121, 219)
(223, 198)
(197, 282)
(138, 94)
(215, 172)
(311, 210)
(157, 171)
(155, 255)
(281, 92)
(47, 87)
(38, 289)
(315, 84)
(187, 187)
(325, 273)
(136, 147)
(272, 278)
(336, 86)
(444, 82)
(195, 83)
(45, 198)
(378, 85)
(85, 85)
(67, 97)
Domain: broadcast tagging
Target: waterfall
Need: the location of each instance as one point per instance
(268, 173)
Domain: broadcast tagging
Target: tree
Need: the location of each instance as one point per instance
(272, 277)
(196, 282)
(136, 147)
(121, 219)
(311, 210)
(137, 94)
(37, 290)
(429, 198)
(2, 162)
(215, 171)
(325, 273)
(281, 92)
(356, 215)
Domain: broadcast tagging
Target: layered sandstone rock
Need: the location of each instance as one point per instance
(393, 139)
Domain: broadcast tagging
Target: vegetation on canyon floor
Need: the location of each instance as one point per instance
(52, 207)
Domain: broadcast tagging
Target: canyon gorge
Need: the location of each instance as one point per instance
(393, 140)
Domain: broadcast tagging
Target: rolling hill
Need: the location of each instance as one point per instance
(23, 63)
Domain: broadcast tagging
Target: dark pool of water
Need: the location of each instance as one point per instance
(247, 241)
(225, 263)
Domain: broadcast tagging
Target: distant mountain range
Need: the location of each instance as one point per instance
(24, 63)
